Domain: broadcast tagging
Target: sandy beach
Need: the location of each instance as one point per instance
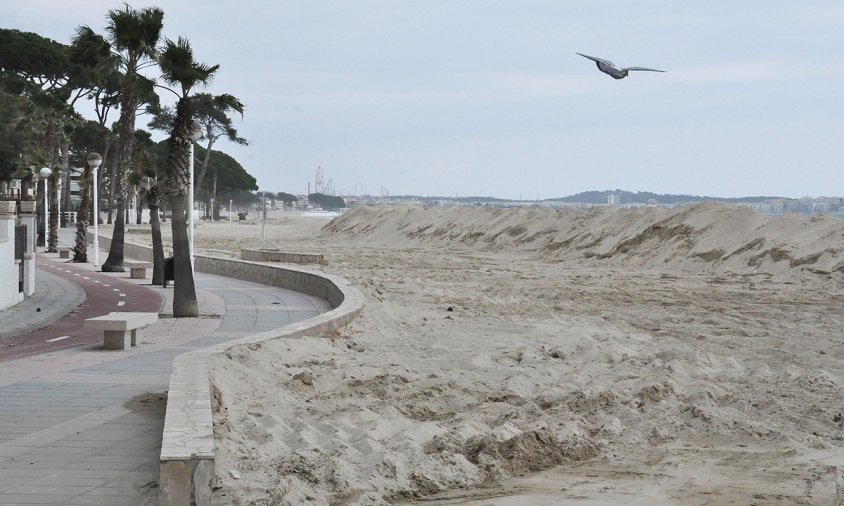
(532, 356)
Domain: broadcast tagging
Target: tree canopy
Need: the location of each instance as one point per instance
(231, 176)
(15, 141)
(327, 202)
(286, 198)
(28, 60)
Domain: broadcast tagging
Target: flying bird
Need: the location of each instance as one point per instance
(610, 68)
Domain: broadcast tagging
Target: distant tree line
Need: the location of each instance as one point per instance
(287, 198)
(327, 202)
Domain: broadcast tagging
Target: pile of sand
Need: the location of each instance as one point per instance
(710, 236)
(529, 356)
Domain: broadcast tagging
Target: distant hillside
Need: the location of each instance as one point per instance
(593, 197)
(626, 197)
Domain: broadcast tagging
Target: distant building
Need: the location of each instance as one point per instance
(614, 199)
(828, 204)
(75, 178)
(302, 202)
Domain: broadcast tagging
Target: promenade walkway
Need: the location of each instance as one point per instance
(82, 425)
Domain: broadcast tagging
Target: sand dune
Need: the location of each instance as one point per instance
(707, 237)
(529, 356)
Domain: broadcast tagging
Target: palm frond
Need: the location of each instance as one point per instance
(135, 32)
(178, 66)
(88, 47)
(231, 133)
(229, 102)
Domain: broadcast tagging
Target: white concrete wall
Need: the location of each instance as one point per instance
(9, 294)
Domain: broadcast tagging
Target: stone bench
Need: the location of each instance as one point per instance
(64, 251)
(137, 270)
(119, 327)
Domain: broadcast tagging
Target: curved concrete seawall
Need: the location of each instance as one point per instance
(267, 255)
(187, 447)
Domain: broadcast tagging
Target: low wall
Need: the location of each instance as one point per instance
(187, 446)
(265, 255)
(130, 250)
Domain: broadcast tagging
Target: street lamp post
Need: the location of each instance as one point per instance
(45, 173)
(94, 161)
(230, 210)
(195, 135)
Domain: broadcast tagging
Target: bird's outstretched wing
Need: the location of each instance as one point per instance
(642, 68)
(597, 60)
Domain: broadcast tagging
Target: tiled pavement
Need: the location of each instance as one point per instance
(83, 425)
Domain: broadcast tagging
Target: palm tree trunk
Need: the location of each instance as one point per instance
(80, 250)
(100, 181)
(184, 289)
(53, 235)
(157, 246)
(49, 146)
(41, 237)
(114, 262)
(65, 179)
(112, 182)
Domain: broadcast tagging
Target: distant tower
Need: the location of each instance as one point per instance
(320, 181)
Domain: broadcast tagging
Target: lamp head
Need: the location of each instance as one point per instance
(94, 160)
(45, 172)
(195, 131)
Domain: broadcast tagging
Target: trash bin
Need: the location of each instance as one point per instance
(169, 269)
(241, 216)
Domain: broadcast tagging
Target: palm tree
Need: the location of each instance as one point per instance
(97, 75)
(143, 169)
(53, 231)
(50, 152)
(83, 216)
(212, 114)
(178, 67)
(133, 35)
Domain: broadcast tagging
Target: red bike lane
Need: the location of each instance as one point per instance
(104, 293)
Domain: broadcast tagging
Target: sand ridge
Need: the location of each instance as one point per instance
(707, 236)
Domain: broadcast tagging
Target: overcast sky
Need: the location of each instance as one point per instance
(485, 97)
